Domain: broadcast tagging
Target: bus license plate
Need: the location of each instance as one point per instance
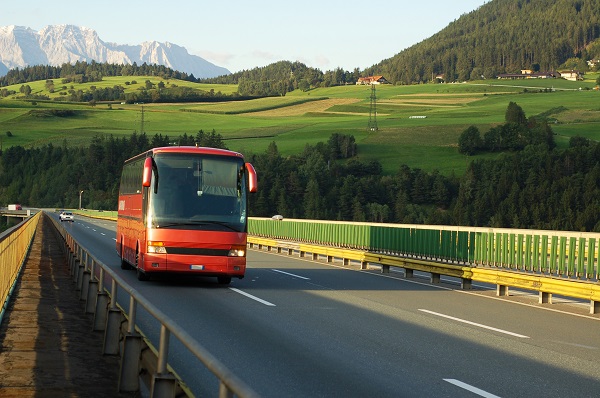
(197, 267)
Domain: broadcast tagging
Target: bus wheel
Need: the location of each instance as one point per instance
(141, 275)
(224, 280)
(124, 264)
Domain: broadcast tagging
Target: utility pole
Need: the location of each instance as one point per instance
(373, 110)
(142, 126)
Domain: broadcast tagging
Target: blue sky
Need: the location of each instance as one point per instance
(239, 35)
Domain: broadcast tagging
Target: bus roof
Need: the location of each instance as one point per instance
(188, 149)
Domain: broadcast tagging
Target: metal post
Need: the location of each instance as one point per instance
(76, 265)
(224, 391)
(163, 383)
(594, 307)
(112, 331)
(92, 293)
(85, 278)
(80, 270)
(71, 261)
(129, 380)
(545, 298)
(101, 313)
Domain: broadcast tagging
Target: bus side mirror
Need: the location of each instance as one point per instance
(147, 176)
(252, 179)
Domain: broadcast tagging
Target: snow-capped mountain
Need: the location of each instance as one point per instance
(59, 44)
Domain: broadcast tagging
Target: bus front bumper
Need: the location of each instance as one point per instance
(201, 265)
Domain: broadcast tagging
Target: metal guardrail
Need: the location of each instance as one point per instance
(503, 279)
(14, 246)
(572, 255)
(92, 277)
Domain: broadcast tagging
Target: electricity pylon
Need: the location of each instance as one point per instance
(373, 110)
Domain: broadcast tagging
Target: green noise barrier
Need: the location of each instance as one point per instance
(555, 253)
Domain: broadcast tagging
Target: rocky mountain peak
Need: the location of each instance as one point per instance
(58, 44)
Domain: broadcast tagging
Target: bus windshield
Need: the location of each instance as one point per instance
(194, 191)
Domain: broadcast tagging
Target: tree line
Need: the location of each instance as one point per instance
(82, 71)
(148, 92)
(537, 187)
(517, 133)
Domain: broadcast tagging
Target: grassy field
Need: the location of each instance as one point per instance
(302, 118)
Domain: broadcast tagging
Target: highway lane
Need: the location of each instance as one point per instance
(294, 327)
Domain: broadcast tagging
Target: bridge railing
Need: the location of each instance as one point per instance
(99, 286)
(553, 253)
(14, 246)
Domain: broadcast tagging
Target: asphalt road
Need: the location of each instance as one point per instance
(297, 328)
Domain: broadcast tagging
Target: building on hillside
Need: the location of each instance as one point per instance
(593, 62)
(573, 75)
(529, 75)
(372, 80)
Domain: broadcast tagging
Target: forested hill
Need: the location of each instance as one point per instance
(289, 75)
(502, 36)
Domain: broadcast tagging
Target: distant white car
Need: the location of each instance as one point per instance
(66, 216)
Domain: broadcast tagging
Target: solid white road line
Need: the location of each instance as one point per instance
(287, 273)
(469, 387)
(475, 324)
(252, 297)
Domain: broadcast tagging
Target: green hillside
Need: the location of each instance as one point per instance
(302, 118)
(502, 36)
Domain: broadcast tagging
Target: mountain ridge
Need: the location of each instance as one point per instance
(55, 45)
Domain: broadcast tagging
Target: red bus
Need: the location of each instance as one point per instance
(185, 210)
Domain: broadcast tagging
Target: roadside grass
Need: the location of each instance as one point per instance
(302, 118)
(106, 214)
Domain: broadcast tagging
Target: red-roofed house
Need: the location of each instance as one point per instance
(372, 80)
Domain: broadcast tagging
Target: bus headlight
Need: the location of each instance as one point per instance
(237, 251)
(156, 248)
